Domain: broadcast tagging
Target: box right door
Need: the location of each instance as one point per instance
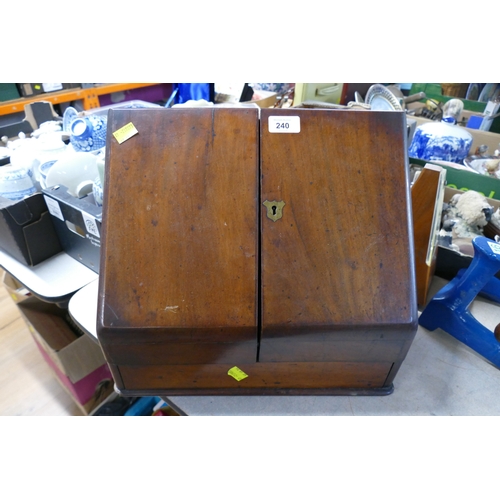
(337, 262)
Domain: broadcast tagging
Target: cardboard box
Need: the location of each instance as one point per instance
(30, 89)
(26, 230)
(479, 137)
(436, 92)
(76, 359)
(15, 288)
(77, 222)
(464, 180)
(448, 261)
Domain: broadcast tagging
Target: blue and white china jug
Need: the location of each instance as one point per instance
(442, 140)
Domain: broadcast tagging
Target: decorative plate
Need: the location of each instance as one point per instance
(380, 98)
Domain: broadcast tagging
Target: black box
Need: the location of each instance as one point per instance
(26, 230)
(31, 89)
(77, 222)
(449, 263)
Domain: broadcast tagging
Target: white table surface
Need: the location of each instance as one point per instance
(82, 307)
(54, 278)
(440, 376)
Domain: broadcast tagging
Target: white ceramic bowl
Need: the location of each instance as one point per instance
(15, 183)
(76, 172)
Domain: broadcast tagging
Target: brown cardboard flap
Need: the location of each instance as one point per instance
(16, 289)
(54, 329)
(75, 356)
(12, 283)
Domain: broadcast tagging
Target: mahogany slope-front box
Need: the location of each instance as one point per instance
(277, 242)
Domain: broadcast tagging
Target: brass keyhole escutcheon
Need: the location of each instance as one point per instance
(274, 209)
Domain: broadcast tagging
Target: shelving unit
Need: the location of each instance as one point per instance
(89, 97)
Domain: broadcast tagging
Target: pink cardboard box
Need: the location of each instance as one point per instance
(75, 358)
(88, 392)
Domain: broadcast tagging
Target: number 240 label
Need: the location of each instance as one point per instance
(284, 124)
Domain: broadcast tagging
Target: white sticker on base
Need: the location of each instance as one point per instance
(495, 247)
(53, 207)
(91, 224)
(284, 124)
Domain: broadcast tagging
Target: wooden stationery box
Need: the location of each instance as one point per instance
(275, 241)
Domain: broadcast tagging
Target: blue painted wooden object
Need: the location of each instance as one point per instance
(449, 309)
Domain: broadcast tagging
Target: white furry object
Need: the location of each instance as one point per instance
(469, 207)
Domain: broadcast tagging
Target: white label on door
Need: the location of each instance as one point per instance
(53, 207)
(284, 124)
(91, 224)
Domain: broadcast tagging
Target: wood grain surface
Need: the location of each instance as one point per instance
(342, 254)
(425, 194)
(262, 377)
(195, 278)
(180, 245)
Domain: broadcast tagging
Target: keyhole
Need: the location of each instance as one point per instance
(274, 209)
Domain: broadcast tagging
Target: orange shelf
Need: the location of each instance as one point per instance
(90, 96)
